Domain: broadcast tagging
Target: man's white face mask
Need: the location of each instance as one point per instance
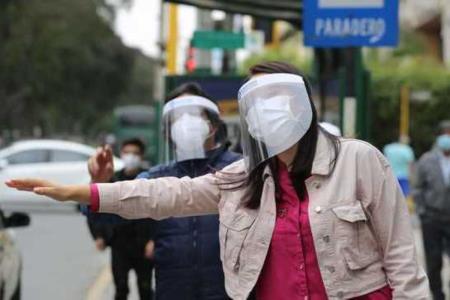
(187, 128)
(131, 161)
(189, 134)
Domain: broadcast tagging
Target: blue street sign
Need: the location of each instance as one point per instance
(347, 23)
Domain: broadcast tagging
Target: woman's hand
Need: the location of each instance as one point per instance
(79, 193)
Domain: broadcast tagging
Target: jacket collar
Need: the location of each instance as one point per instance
(322, 158)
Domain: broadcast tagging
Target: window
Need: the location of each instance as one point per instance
(28, 157)
(67, 156)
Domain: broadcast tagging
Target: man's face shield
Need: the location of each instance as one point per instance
(188, 131)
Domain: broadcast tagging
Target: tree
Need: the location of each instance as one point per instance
(61, 65)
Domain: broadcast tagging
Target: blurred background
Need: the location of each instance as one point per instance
(78, 74)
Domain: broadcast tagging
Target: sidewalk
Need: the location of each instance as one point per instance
(103, 287)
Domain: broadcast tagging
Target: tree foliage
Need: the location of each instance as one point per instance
(420, 74)
(288, 52)
(408, 65)
(62, 68)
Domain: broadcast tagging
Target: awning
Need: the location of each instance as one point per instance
(287, 10)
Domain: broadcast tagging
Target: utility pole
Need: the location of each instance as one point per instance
(404, 111)
(158, 94)
(276, 34)
(445, 31)
(172, 40)
(354, 97)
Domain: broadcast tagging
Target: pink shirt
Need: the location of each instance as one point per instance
(291, 269)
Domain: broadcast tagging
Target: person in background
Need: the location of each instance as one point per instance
(432, 198)
(401, 157)
(131, 242)
(187, 258)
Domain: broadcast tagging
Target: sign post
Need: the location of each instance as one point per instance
(345, 23)
(351, 24)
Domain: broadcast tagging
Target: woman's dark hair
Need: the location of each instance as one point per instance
(135, 142)
(193, 88)
(303, 161)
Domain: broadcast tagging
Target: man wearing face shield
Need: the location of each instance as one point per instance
(187, 260)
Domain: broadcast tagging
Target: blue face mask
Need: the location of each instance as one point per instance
(443, 142)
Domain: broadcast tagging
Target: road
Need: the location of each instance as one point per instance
(60, 260)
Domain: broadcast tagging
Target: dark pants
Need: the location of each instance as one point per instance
(185, 284)
(124, 260)
(436, 236)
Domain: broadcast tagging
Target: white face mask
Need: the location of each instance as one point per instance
(189, 134)
(131, 161)
(276, 114)
(272, 121)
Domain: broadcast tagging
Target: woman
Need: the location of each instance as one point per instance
(304, 216)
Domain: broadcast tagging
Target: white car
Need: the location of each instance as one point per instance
(10, 257)
(54, 160)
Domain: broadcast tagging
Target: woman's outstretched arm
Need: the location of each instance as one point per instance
(59, 192)
(155, 198)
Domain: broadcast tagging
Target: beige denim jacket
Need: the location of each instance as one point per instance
(359, 220)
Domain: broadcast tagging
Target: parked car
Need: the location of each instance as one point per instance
(54, 160)
(10, 258)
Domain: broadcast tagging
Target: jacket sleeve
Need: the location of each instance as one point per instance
(161, 198)
(390, 221)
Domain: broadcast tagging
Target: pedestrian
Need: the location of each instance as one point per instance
(186, 257)
(401, 157)
(187, 250)
(305, 214)
(131, 242)
(432, 198)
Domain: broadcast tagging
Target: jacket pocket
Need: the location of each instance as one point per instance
(357, 243)
(238, 220)
(355, 261)
(233, 232)
(350, 213)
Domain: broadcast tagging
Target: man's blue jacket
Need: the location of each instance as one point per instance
(187, 258)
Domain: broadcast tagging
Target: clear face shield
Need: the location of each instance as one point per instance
(275, 114)
(188, 130)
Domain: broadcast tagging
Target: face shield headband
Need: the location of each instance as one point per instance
(187, 101)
